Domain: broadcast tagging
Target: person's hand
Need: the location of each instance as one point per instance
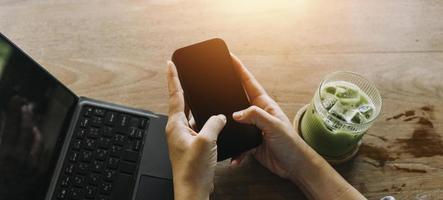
(283, 151)
(280, 140)
(193, 155)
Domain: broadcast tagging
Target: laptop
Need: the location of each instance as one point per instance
(55, 145)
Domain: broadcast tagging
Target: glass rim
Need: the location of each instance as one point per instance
(361, 77)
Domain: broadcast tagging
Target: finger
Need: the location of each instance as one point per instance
(236, 161)
(176, 99)
(256, 116)
(252, 87)
(213, 127)
(192, 122)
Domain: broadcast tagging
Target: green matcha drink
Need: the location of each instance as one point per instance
(344, 107)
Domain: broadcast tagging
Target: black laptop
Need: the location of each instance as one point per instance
(55, 145)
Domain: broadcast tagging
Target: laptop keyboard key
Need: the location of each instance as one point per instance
(139, 134)
(119, 139)
(63, 194)
(123, 120)
(73, 157)
(82, 168)
(90, 192)
(86, 156)
(136, 145)
(116, 151)
(123, 130)
(93, 132)
(105, 188)
(97, 166)
(112, 163)
(90, 144)
(79, 180)
(143, 123)
(130, 156)
(80, 133)
(134, 122)
(77, 144)
(88, 112)
(109, 175)
(94, 179)
(84, 122)
(99, 112)
(75, 193)
(110, 118)
(66, 181)
(101, 154)
(132, 132)
(70, 168)
(128, 168)
(97, 121)
(104, 143)
(107, 131)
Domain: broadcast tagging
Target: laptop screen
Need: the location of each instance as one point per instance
(34, 113)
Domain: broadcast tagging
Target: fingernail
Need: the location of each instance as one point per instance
(233, 164)
(237, 115)
(169, 63)
(222, 117)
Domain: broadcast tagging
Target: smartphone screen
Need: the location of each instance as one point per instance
(212, 86)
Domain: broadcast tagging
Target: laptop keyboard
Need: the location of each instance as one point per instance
(103, 156)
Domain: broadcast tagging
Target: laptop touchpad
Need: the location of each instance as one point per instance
(153, 188)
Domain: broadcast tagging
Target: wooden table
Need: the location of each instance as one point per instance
(116, 51)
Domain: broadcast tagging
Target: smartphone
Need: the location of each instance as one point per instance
(212, 86)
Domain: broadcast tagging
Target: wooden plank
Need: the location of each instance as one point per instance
(116, 51)
(259, 27)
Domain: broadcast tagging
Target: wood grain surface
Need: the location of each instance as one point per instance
(117, 50)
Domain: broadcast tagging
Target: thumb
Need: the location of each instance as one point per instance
(256, 116)
(213, 127)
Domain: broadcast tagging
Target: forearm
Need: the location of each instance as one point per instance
(319, 180)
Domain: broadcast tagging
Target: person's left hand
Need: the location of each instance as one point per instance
(193, 155)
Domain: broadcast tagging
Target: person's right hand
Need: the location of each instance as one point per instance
(280, 140)
(283, 151)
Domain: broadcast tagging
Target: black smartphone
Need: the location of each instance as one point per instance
(212, 86)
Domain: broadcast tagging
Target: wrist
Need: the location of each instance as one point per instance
(318, 180)
(190, 189)
(184, 192)
(305, 171)
(307, 160)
